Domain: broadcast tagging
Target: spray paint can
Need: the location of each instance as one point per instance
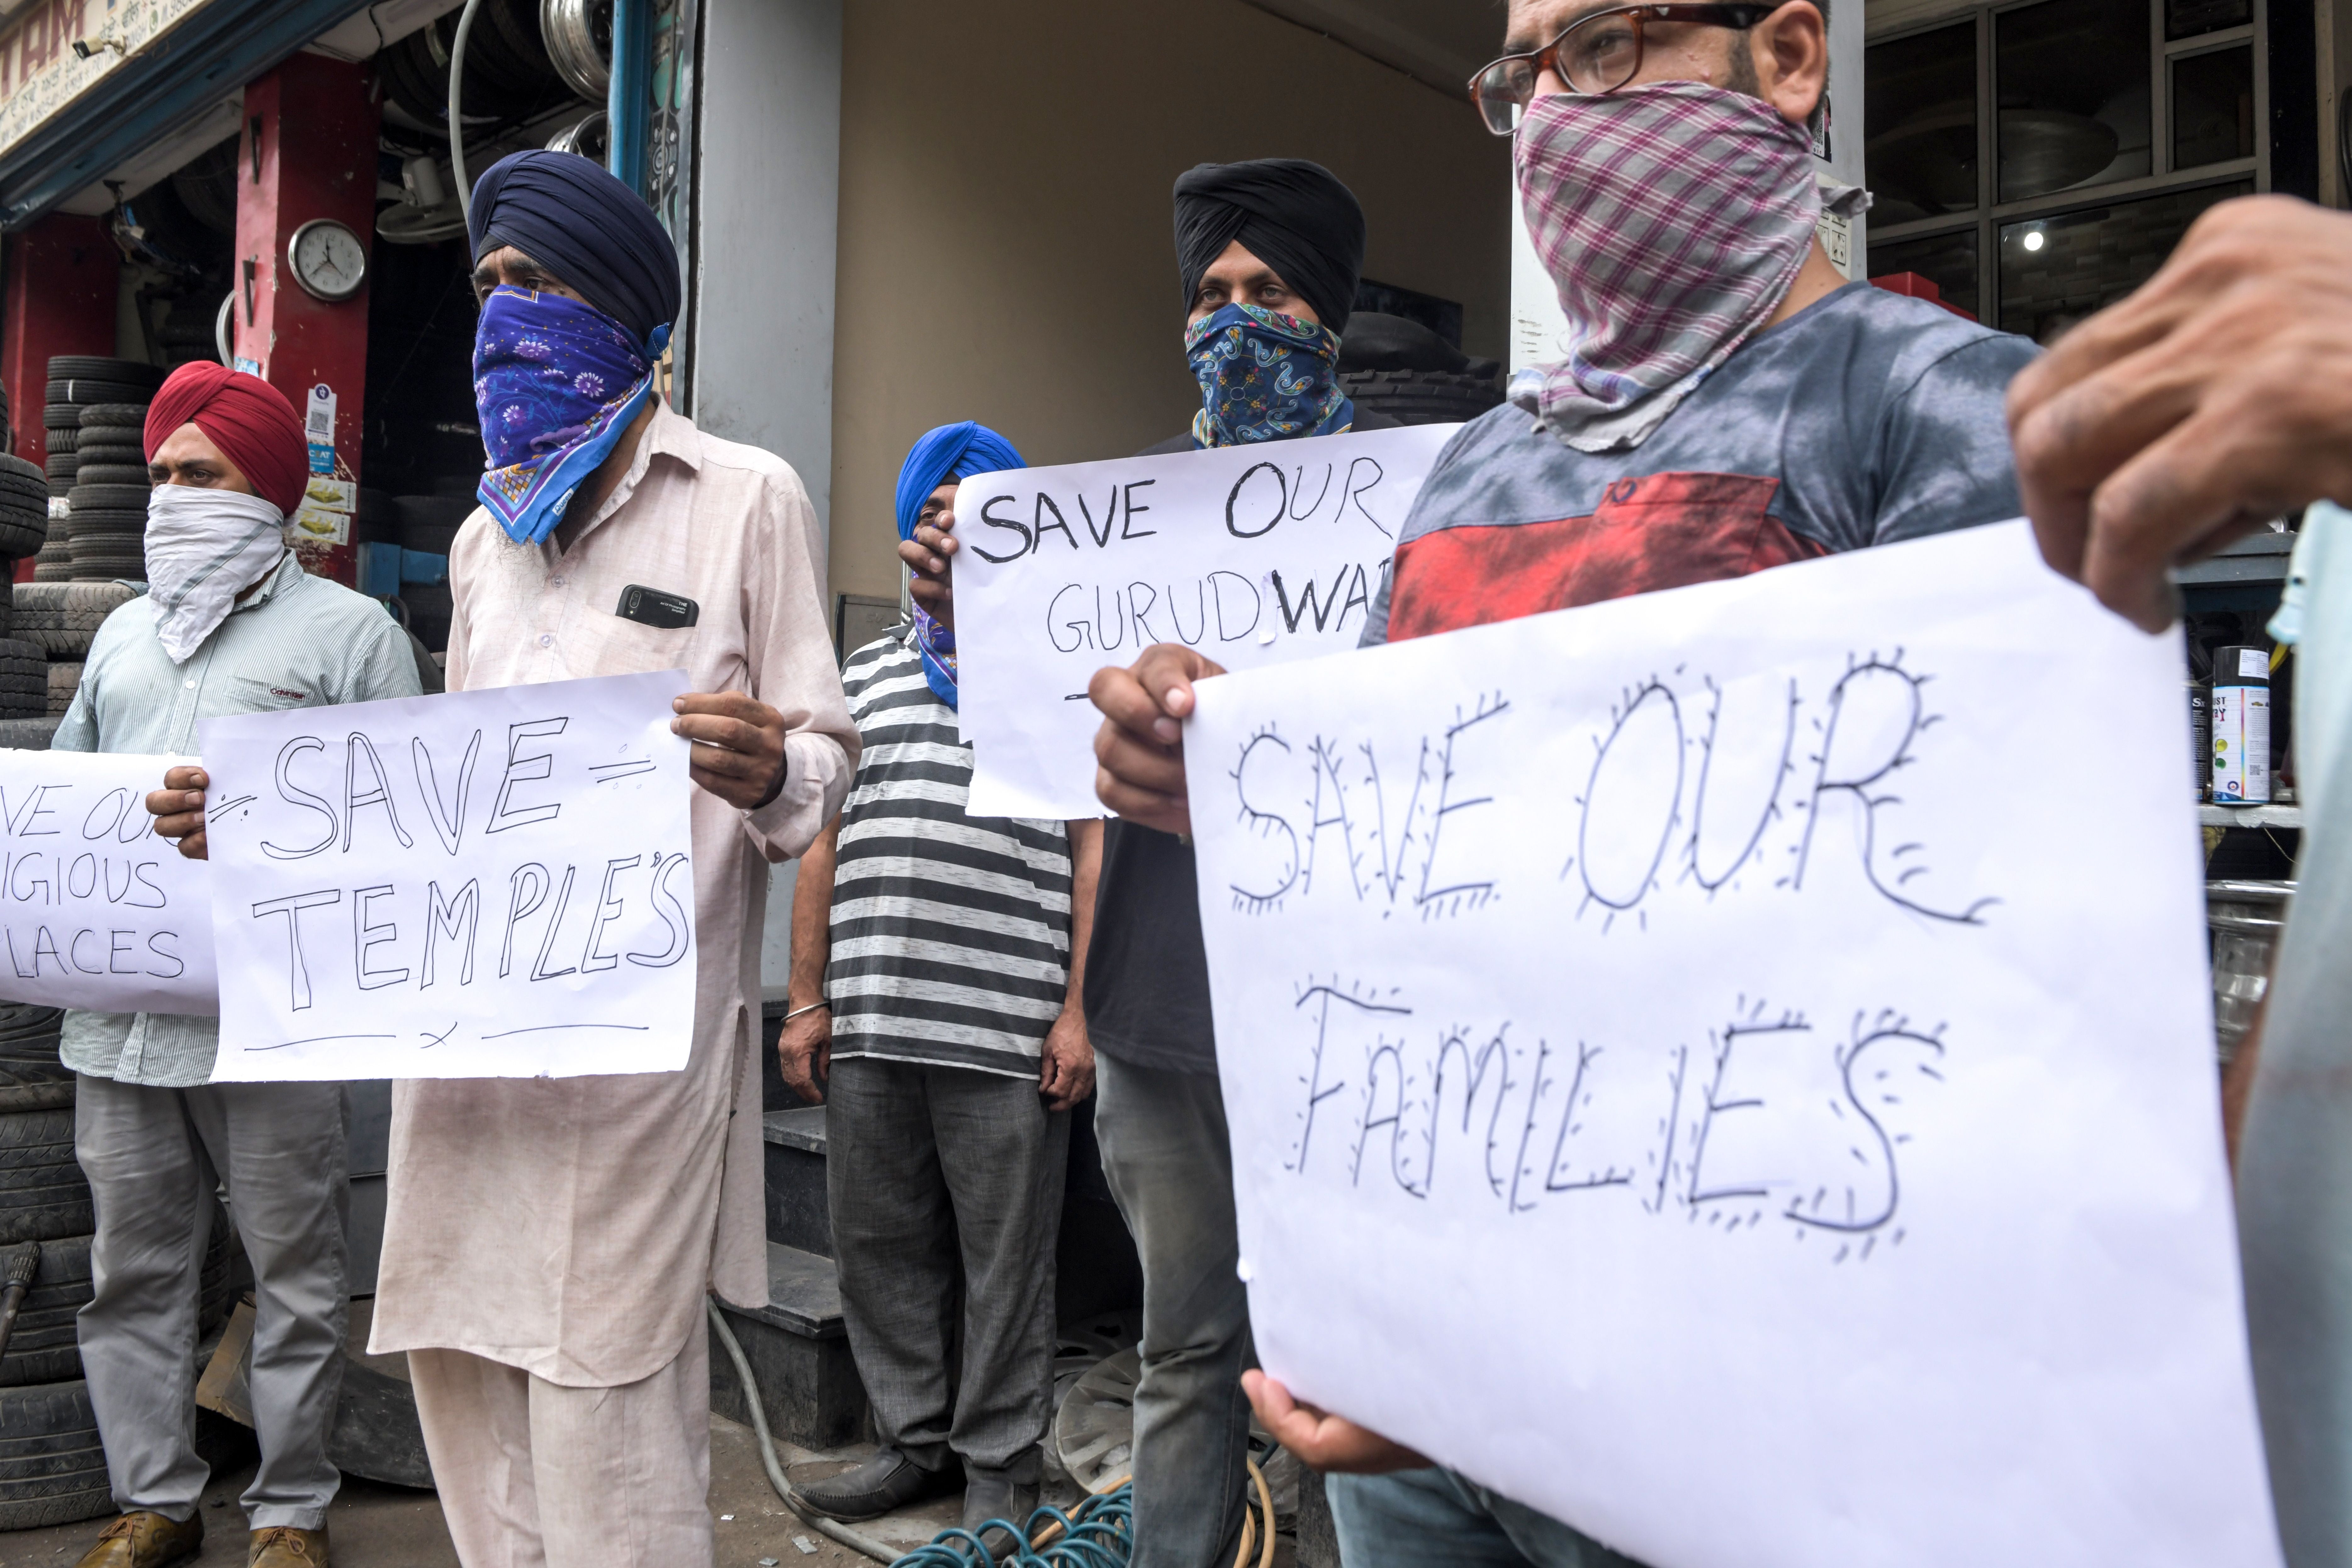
(2241, 726)
(2201, 738)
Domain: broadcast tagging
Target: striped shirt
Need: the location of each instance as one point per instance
(950, 933)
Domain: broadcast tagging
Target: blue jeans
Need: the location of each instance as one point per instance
(1434, 1518)
(1169, 1165)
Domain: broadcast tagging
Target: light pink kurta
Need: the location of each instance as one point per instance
(570, 1226)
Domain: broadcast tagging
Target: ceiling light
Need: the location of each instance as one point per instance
(2033, 239)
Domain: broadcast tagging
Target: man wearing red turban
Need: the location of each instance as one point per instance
(230, 624)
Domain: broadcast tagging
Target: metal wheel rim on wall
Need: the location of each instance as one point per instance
(571, 29)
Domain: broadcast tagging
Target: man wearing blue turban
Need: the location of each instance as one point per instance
(549, 1242)
(936, 986)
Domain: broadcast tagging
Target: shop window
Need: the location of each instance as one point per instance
(2213, 106)
(2074, 95)
(2056, 270)
(2037, 161)
(1947, 260)
(2195, 18)
(1920, 107)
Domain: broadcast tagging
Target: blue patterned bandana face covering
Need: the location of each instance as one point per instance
(556, 382)
(1264, 377)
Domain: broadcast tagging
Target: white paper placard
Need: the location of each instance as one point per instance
(1250, 554)
(483, 884)
(99, 913)
(1733, 1068)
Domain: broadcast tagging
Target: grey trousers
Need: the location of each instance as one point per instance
(933, 1172)
(153, 1157)
(1171, 1167)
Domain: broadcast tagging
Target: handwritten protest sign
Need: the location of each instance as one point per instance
(485, 884)
(1252, 554)
(99, 913)
(1732, 1068)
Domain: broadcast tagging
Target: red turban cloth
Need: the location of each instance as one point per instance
(249, 419)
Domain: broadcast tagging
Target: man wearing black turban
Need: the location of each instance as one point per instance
(549, 1242)
(1293, 216)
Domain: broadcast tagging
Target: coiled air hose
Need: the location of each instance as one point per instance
(1097, 1534)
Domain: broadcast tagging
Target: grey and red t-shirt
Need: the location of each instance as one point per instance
(1863, 419)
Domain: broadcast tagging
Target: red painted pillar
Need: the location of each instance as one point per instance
(308, 153)
(58, 299)
(57, 280)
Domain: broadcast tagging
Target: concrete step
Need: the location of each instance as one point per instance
(797, 1216)
(809, 1387)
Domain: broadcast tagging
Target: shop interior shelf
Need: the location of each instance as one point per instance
(2250, 816)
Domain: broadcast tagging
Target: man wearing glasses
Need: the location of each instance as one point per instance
(1731, 404)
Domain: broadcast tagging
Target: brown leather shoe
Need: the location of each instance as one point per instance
(283, 1546)
(143, 1539)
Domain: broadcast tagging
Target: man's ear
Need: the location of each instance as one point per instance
(1791, 50)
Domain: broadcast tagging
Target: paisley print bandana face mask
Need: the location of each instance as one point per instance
(1264, 377)
(1673, 218)
(556, 382)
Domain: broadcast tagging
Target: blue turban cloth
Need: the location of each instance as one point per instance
(950, 452)
(586, 227)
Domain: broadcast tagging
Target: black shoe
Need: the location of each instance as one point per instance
(988, 1497)
(883, 1484)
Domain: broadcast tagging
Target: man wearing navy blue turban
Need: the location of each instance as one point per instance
(548, 1243)
(936, 986)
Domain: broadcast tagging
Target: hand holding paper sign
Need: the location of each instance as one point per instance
(178, 808)
(1332, 1443)
(1140, 749)
(739, 746)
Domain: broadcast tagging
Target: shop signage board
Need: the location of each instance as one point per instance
(96, 911)
(1252, 554)
(40, 73)
(1680, 1076)
(480, 884)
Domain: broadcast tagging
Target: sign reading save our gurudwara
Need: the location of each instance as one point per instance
(40, 70)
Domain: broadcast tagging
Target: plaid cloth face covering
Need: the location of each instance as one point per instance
(1672, 217)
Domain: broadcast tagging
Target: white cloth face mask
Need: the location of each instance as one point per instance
(205, 547)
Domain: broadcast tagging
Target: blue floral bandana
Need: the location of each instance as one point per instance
(556, 382)
(1264, 377)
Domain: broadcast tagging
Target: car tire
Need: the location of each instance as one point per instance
(52, 1464)
(43, 1194)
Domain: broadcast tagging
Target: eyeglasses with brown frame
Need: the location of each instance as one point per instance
(1593, 55)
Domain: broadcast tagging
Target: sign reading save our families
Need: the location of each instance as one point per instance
(1250, 555)
(485, 884)
(1682, 1074)
(96, 911)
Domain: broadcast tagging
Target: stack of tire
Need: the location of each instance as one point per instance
(23, 523)
(107, 526)
(1404, 369)
(59, 619)
(52, 1466)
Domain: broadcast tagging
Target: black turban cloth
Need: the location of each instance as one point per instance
(1293, 216)
(585, 226)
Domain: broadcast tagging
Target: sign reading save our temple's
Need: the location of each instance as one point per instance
(482, 884)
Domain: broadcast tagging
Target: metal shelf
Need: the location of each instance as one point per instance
(2284, 817)
(2256, 558)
